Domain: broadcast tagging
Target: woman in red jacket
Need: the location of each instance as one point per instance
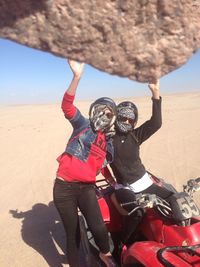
(88, 150)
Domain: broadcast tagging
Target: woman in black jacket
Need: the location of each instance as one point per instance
(129, 172)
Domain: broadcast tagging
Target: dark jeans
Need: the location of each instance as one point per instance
(68, 197)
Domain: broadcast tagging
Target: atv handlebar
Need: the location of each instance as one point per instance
(179, 206)
(144, 201)
(152, 200)
(193, 185)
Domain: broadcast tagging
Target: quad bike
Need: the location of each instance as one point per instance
(168, 235)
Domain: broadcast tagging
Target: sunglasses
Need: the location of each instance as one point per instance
(124, 119)
(109, 115)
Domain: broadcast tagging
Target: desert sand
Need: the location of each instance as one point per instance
(31, 138)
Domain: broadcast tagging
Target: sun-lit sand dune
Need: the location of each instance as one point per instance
(31, 137)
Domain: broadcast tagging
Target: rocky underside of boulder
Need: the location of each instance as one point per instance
(138, 39)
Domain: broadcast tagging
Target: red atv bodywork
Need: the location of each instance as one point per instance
(159, 232)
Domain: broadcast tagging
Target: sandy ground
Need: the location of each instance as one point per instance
(31, 137)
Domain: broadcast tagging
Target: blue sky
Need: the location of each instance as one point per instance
(29, 76)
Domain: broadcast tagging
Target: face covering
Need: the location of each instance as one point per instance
(102, 118)
(125, 120)
(124, 127)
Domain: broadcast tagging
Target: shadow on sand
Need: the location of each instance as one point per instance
(43, 231)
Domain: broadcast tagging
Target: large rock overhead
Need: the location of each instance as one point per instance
(138, 39)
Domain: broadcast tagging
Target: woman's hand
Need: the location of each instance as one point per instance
(76, 67)
(155, 89)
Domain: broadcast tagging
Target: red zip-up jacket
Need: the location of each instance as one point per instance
(73, 169)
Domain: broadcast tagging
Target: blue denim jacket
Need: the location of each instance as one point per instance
(82, 138)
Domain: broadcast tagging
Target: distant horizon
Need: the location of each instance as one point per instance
(90, 100)
(29, 76)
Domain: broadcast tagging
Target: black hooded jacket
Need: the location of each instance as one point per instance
(127, 166)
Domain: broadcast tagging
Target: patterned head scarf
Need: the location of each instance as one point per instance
(127, 116)
(102, 114)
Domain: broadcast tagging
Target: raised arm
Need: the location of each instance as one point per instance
(149, 127)
(77, 69)
(67, 103)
